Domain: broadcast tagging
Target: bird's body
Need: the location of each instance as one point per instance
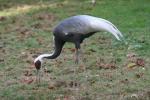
(75, 29)
(84, 25)
(76, 24)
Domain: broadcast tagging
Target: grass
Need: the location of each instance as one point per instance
(25, 32)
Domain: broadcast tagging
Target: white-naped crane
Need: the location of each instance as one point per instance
(75, 29)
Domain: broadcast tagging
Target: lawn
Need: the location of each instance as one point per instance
(109, 69)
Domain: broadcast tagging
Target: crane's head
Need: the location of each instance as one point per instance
(39, 60)
(38, 63)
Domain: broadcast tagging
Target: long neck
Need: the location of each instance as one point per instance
(58, 48)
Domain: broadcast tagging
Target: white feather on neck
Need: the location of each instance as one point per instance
(40, 57)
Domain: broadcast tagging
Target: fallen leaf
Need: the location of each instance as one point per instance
(51, 86)
(28, 73)
(92, 50)
(140, 62)
(60, 83)
(60, 5)
(107, 66)
(47, 71)
(40, 40)
(1, 60)
(131, 55)
(57, 84)
(72, 49)
(139, 75)
(125, 81)
(37, 25)
(2, 18)
(45, 16)
(131, 65)
(27, 80)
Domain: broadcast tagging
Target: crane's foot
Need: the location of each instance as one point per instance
(76, 61)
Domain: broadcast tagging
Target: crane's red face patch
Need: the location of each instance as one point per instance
(37, 64)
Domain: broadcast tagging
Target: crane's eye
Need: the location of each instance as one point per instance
(37, 64)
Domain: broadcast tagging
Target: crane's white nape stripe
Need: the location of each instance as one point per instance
(40, 58)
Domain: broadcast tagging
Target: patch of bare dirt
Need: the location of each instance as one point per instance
(28, 77)
(61, 83)
(103, 64)
(40, 40)
(24, 32)
(27, 57)
(45, 16)
(27, 80)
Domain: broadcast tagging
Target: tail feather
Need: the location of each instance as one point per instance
(119, 34)
(115, 31)
(115, 34)
(111, 28)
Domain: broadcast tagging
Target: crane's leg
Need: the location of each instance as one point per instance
(77, 52)
(38, 76)
(77, 56)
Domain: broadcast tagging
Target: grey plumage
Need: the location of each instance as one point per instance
(84, 24)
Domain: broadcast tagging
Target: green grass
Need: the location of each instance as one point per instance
(26, 31)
